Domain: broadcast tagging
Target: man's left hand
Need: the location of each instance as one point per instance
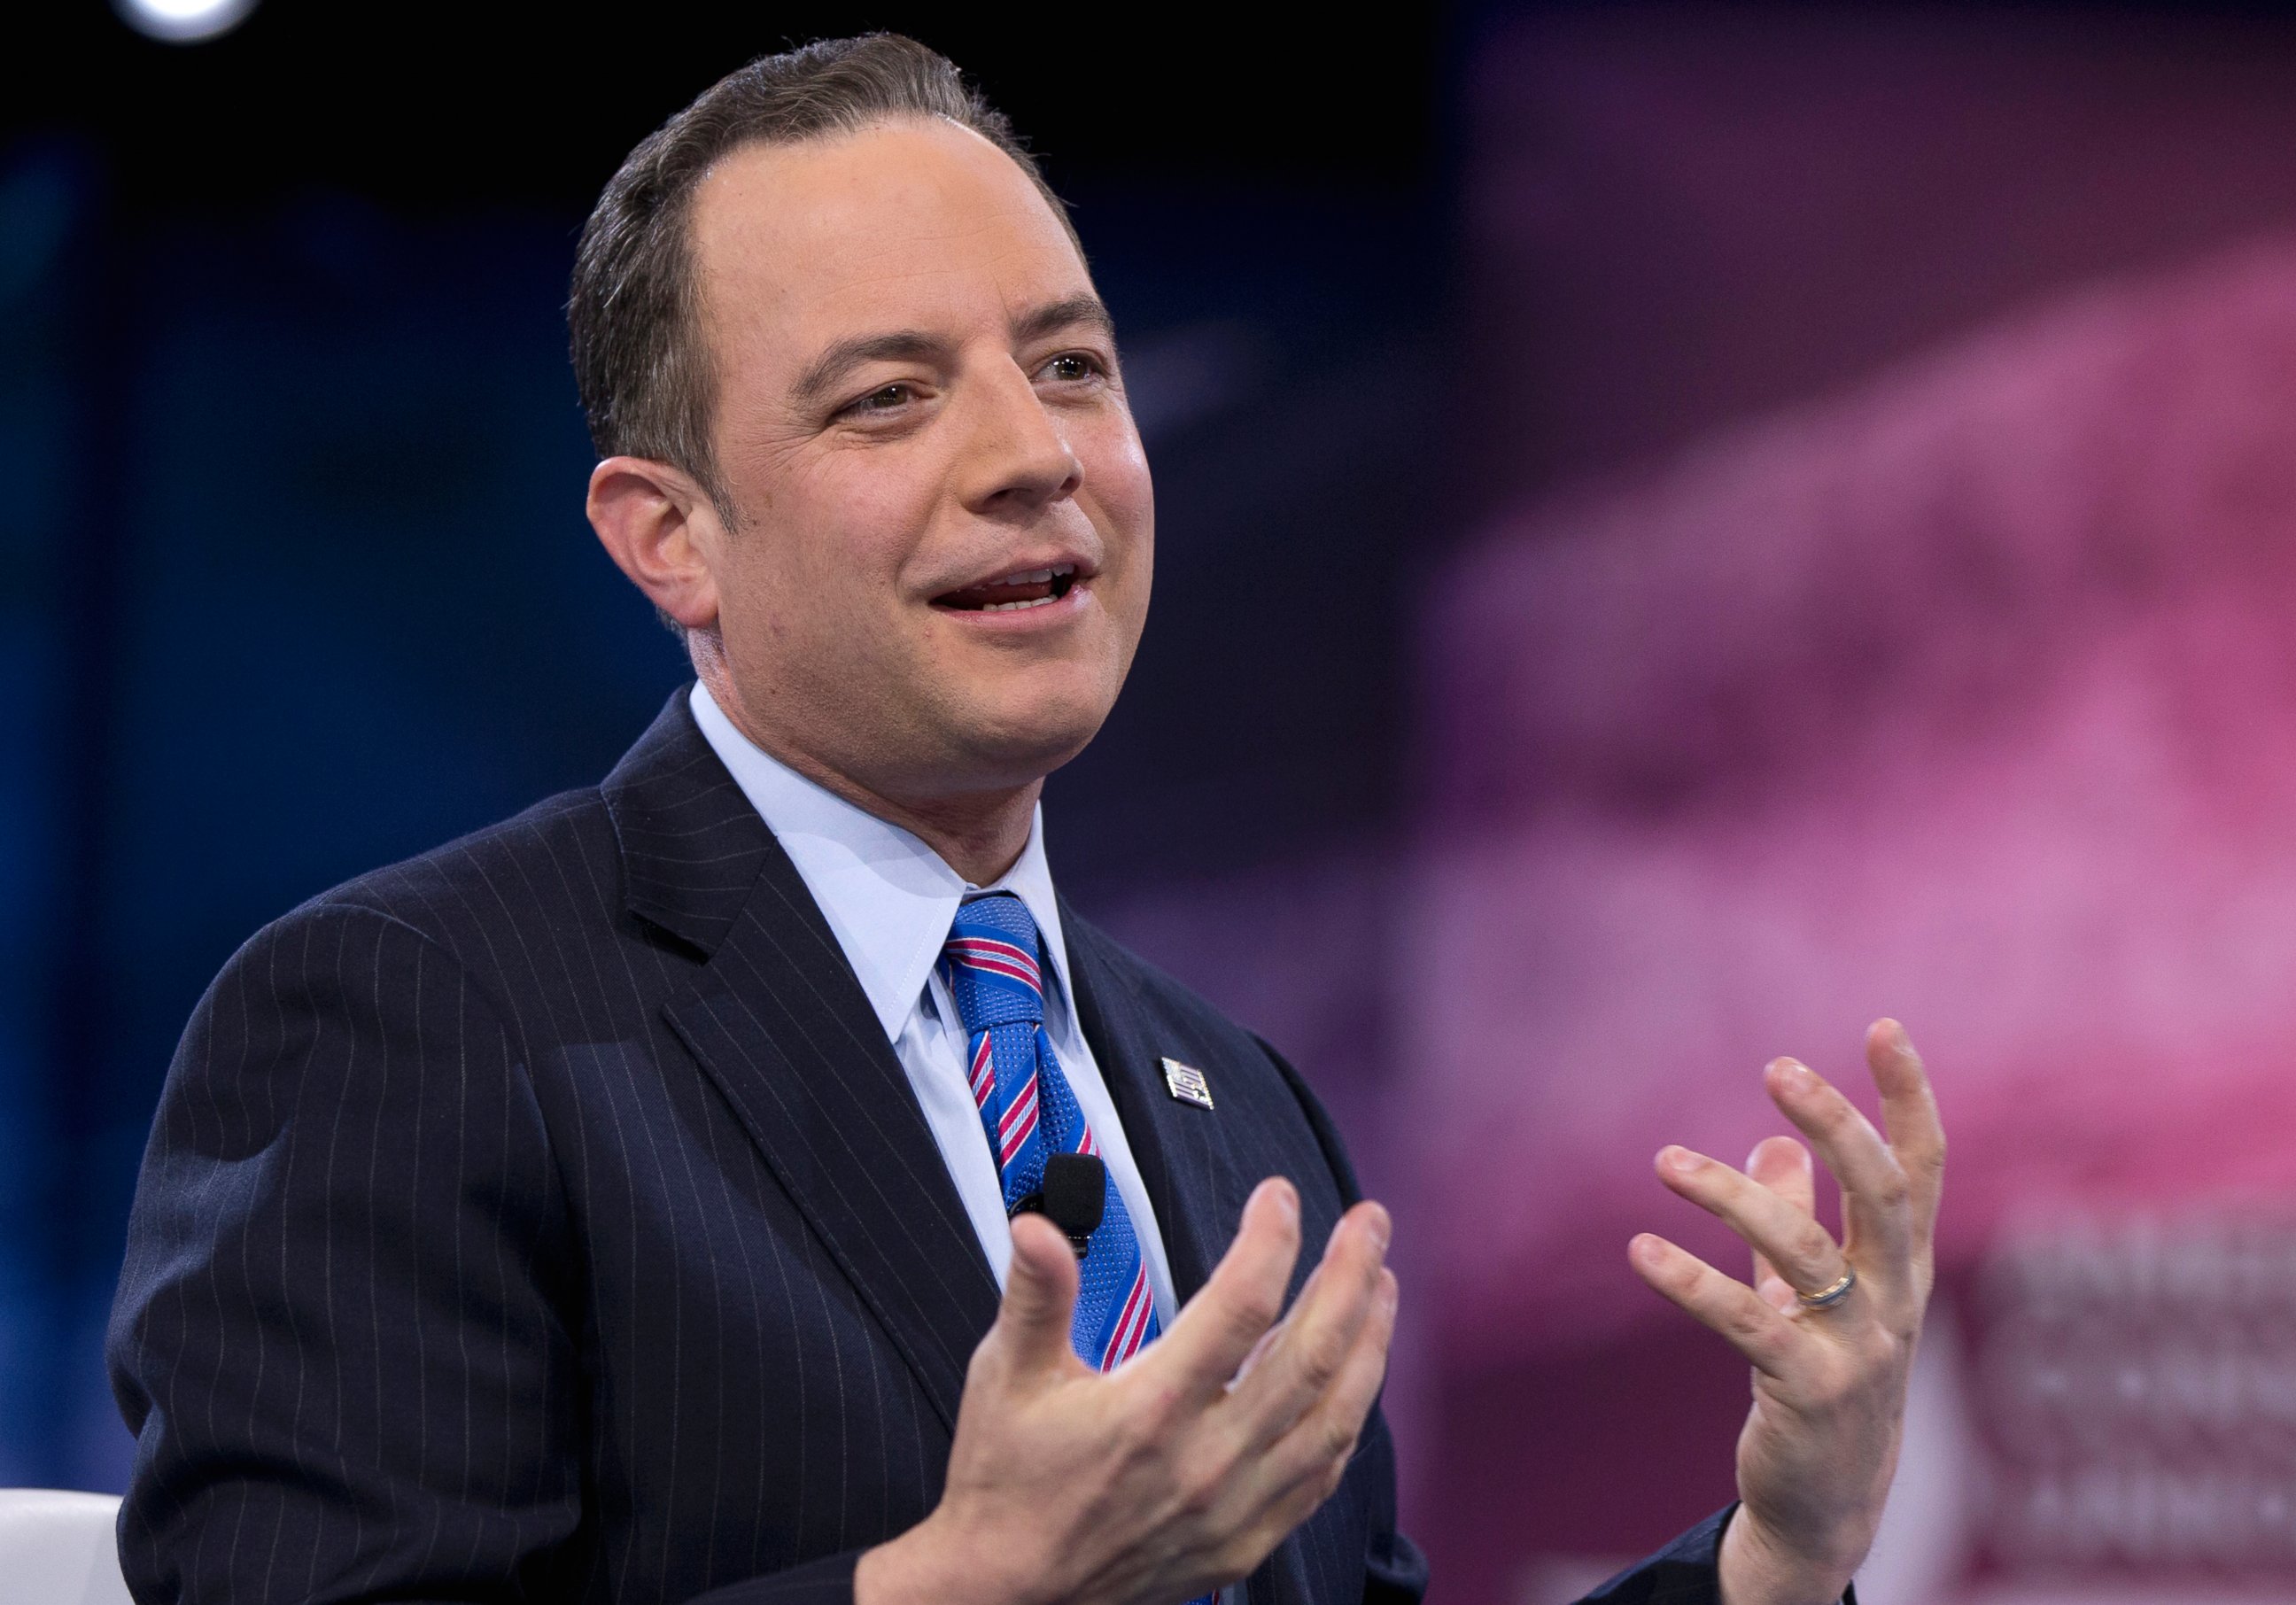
(1818, 1449)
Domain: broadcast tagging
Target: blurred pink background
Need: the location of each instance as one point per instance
(1883, 601)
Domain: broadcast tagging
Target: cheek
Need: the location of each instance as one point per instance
(840, 532)
(1117, 480)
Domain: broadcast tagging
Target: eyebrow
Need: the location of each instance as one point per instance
(823, 375)
(1083, 309)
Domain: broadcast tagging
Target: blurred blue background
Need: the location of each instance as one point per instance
(295, 578)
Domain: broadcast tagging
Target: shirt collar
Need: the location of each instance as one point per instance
(888, 898)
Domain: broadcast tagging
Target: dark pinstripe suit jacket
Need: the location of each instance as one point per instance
(548, 1218)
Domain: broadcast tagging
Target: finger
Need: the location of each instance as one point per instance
(1040, 1293)
(1305, 1467)
(1766, 1338)
(1335, 1427)
(1258, 1351)
(1309, 1296)
(1310, 1350)
(1909, 1113)
(1212, 1336)
(1803, 1252)
(1876, 1195)
(1782, 1166)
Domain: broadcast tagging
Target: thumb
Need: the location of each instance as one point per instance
(1040, 1294)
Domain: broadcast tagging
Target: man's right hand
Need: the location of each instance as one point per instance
(1177, 1472)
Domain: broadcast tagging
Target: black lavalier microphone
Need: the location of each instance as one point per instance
(1073, 1197)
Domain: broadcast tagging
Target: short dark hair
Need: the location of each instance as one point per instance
(646, 382)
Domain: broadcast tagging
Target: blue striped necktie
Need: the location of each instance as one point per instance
(993, 965)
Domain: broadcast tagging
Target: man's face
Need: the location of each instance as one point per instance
(940, 562)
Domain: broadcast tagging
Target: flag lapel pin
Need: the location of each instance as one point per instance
(1186, 1083)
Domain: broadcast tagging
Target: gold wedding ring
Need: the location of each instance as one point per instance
(1831, 1296)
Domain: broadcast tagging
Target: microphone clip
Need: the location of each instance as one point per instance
(1073, 1197)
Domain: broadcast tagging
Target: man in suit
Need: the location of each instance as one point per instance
(632, 1201)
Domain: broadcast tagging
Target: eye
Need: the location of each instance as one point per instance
(1072, 366)
(883, 400)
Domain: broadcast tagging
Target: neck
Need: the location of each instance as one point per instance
(979, 834)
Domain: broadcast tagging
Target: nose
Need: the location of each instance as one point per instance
(1017, 458)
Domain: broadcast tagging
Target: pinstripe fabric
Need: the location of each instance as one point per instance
(547, 1218)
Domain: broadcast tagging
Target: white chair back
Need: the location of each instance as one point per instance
(58, 1548)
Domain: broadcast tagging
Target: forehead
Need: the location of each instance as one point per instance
(908, 225)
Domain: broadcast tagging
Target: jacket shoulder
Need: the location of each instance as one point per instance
(561, 852)
(487, 897)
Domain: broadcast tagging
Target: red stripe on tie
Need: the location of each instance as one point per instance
(1108, 1354)
(989, 947)
(1142, 1308)
(1019, 1121)
(1022, 1100)
(1139, 1333)
(1013, 1143)
(1124, 1342)
(994, 948)
(1147, 1321)
(983, 1080)
(1087, 1145)
(1027, 977)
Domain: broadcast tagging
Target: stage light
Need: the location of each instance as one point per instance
(184, 22)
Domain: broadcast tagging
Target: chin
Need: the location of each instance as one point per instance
(1024, 741)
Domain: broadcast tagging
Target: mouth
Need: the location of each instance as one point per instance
(1013, 593)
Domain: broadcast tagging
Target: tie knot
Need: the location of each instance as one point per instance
(993, 963)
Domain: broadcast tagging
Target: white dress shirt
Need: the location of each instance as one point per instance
(890, 900)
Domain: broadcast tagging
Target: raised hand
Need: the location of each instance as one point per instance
(1821, 1444)
(1177, 1472)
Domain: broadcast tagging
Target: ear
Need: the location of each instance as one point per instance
(661, 529)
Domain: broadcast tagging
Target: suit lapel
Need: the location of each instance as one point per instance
(1192, 1178)
(781, 1026)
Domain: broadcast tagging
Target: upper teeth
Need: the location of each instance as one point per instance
(1034, 576)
